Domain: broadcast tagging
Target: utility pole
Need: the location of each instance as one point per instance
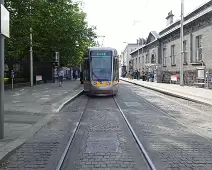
(135, 22)
(181, 39)
(31, 52)
(142, 57)
(126, 49)
(138, 54)
(1, 82)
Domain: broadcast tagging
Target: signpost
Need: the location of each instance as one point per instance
(38, 78)
(4, 32)
(12, 77)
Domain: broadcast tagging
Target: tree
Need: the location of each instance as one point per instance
(58, 25)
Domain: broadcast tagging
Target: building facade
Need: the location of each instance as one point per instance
(162, 51)
(126, 57)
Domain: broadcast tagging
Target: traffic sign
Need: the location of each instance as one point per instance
(5, 22)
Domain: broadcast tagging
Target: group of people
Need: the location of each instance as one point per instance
(134, 74)
(144, 76)
(61, 75)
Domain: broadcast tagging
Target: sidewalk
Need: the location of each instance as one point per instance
(29, 109)
(186, 92)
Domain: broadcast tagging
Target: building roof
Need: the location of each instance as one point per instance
(202, 10)
(129, 45)
(143, 46)
(207, 10)
(155, 34)
(190, 15)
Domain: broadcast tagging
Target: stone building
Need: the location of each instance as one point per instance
(161, 53)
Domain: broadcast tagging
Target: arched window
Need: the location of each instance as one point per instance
(153, 58)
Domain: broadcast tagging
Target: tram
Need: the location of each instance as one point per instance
(101, 71)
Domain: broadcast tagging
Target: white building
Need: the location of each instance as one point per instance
(126, 57)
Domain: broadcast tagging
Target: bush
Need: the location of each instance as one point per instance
(21, 80)
(6, 80)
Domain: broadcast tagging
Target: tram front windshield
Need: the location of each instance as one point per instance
(101, 68)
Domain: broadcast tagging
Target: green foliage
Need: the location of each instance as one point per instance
(57, 25)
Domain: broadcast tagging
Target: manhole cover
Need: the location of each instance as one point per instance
(102, 142)
(132, 104)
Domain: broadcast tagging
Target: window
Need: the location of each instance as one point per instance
(164, 56)
(185, 52)
(198, 56)
(101, 68)
(153, 58)
(115, 68)
(147, 58)
(173, 61)
(86, 71)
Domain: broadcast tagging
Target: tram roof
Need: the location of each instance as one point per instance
(102, 48)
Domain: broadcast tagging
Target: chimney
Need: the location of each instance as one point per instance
(169, 18)
(140, 41)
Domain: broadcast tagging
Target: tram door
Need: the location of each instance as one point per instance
(86, 74)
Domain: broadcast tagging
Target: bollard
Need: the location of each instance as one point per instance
(12, 77)
(207, 79)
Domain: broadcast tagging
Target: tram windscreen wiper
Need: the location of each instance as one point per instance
(96, 76)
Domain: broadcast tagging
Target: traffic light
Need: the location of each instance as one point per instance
(56, 59)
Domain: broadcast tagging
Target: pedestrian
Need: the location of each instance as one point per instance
(81, 77)
(76, 74)
(137, 74)
(73, 74)
(128, 75)
(61, 76)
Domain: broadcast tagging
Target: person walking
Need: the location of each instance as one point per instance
(81, 77)
(61, 76)
(76, 74)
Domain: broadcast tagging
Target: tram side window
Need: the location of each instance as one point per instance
(115, 69)
(86, 70)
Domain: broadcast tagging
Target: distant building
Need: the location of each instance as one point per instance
(126, 60)
(161, 52)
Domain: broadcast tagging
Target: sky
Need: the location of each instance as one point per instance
(115, 19)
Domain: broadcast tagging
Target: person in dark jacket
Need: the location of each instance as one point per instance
(81, 77)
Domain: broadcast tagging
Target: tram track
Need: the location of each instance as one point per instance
(168, 114)
(64, 154)
(142, 149)
(144, 154)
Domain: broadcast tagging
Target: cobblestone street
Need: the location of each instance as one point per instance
(176, 134)
(41, 152)
(171, 129)
(103, 140)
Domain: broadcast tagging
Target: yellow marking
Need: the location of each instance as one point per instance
(98, 84)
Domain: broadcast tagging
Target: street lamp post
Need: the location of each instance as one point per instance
(135, 22)
(124, 52)
(1, 82)
(31, 52)
(181, 39)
